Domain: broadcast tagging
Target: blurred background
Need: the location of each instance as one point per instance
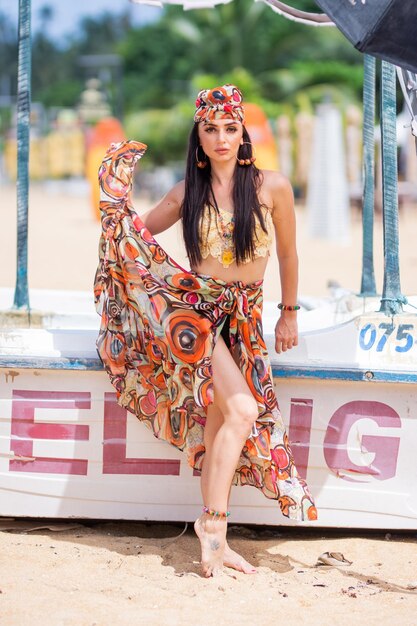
(107, 70)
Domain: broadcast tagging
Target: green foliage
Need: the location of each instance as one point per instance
(57, 76)
(155, 69)
(101, 34)
(66, 92)
(163, 59)
(286, 84)
(279, 64)
(164, 131)
(238, 76)
(8, 52)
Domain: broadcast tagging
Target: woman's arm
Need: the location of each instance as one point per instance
(283, 215)
(166, 212)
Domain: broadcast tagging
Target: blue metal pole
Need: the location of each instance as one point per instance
(392, 299)
(21, 294)
(368, 287)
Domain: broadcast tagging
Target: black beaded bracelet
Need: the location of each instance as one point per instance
(289, 307)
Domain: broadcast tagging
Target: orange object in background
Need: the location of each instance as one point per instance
(106, 131)
(262, 137)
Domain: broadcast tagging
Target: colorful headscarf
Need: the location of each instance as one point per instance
(219, 103)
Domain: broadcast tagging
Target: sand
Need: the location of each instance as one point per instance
(116, 573)
(64, 234)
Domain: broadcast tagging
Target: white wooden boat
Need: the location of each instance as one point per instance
(347, 393)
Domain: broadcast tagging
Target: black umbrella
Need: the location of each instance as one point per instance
(383, 28)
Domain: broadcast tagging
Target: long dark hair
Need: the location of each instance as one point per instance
(198, 194)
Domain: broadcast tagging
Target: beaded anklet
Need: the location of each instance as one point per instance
(220, 514)
(288, 307)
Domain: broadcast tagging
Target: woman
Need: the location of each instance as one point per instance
(184, 349)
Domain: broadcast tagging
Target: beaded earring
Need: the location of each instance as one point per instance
(200, 164)
(249, 161)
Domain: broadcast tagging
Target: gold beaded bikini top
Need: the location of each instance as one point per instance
(216, 232)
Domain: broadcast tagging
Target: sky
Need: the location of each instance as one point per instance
(67, 13)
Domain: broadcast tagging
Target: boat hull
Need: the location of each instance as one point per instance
(68, 450)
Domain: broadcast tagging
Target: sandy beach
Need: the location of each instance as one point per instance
(116, 573)
(64, 235)
(97, 573)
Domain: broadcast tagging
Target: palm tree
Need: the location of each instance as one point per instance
(46, 14)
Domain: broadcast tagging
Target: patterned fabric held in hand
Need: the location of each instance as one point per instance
(159, 325)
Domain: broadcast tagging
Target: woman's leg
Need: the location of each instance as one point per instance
(214, 421)
(239, 409)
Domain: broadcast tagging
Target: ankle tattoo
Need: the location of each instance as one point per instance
(214, 545)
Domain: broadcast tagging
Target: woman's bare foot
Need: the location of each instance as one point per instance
(237, 562)
(212, 536)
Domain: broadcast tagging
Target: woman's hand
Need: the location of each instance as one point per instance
(286, 332)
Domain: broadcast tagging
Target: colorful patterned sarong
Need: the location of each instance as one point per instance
(159, 326)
